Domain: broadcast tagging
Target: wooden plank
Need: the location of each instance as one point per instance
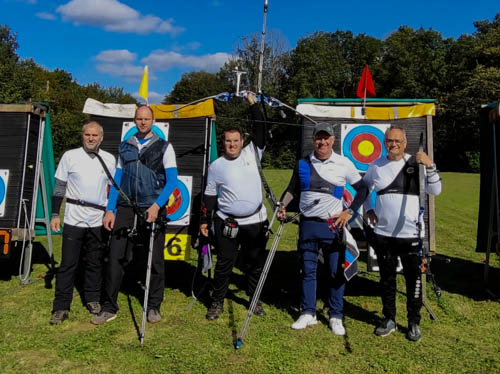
(24, 108)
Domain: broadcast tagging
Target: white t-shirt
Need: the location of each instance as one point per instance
(238, 186)
(87, 181)
(397, 213)
(337, 170)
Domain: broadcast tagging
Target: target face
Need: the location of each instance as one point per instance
(130, 129)
(179, 203)
(363, 144)
(4, 180)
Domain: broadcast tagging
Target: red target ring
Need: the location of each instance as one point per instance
(177, 201)
(372, 141)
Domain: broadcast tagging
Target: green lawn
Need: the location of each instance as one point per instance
(464, 339)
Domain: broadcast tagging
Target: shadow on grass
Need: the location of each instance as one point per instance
(9, 267)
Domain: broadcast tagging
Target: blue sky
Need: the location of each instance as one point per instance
(110, 41)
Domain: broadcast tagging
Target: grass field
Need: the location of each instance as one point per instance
(464, 339)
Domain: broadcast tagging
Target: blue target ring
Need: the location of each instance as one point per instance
(132, 131)
(361, 131)
(2, 190)
(179, 208)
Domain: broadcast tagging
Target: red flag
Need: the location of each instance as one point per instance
(365, 85)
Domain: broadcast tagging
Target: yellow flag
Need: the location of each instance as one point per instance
(143, 88)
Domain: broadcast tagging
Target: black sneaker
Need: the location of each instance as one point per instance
(413, 333)
(94, 307)
(259, 309)
(386, 327)
(215, 310)
(59, 316)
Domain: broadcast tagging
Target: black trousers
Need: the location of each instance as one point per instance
(387, 250)
(76, 239)
(252, 239)
(121, 252)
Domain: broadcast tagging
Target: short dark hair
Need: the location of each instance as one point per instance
(232, 129)
(144, 106)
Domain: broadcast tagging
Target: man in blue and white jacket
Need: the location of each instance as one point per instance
(147, 174)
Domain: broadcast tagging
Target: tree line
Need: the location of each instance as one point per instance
(460, 74)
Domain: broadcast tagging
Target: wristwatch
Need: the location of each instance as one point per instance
(350, 211)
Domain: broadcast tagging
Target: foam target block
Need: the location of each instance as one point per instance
(179, 203)
(4, 182)
(129, 129)
(363, 144)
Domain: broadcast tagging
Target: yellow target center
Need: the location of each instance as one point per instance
(365, 148)
(171, 200)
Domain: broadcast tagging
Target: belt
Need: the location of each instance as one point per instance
(248, 215)
(85, 203)
(315, 219)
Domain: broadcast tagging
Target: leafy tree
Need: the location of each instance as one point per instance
(196, 85)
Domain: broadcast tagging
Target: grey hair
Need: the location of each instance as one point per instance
(93, 123)
(396, 127)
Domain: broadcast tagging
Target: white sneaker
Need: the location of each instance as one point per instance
(337, 326)
(304, 321)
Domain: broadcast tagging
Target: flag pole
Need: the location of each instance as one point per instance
(262, 45)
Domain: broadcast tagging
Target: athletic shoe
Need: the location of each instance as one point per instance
(94, 307)
(337, 326)
(59, 316)
(386, 327)
(154, 315)
(215, 310)
(413, 333)
(304, 321)
(259, 309)
(102, 318)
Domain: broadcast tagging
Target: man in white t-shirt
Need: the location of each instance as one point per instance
(395, 178)
(318, 181)
(234, 194)
(80, 178)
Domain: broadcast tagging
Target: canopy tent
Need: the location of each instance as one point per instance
(26, 179)
(191, 130)
(359, 133)
(488, 223)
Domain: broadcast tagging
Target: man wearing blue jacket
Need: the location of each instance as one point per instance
(147, 175)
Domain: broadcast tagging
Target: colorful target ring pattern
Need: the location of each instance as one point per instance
(4, 179)
(179, 204)
(363, 144)
(129, 129)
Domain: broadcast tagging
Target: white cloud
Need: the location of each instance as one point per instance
(121, 63)
(115, 16)
(153, 97)
(46, 16)
(186, 47)
(116, 55)
(161, 60)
